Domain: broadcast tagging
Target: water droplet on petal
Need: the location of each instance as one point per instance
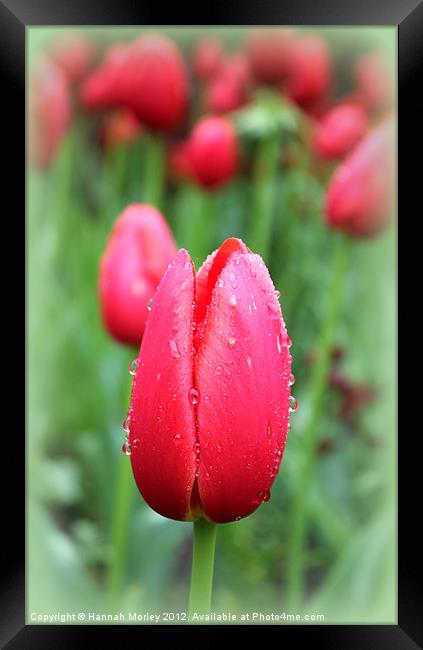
(218, 370)
(288, 342)
(277, 293)
(177, 436)
(273, 310)
(278, 343)
(269, 430)
(232, 300)
(174, 350)
(194, 396)
(126, 448)
(293, 404)
(291, 379)
(135, 444)
(221, 282)
(150, 304)
(238, 518)
(231, 343)
(132, 368)
(126, 423)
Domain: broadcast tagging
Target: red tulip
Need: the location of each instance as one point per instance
(137, 254)
(228, 89)
(74, 55)
(210, 402)
(147, 76)
(309, 71)
(374, 81)
(340, 130)
(119, 127)
(49, 111)
(270, 54)
(207, 58)
(214, 151)
(361, 193)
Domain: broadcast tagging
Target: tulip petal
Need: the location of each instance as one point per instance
(162, 429)
(242, 372)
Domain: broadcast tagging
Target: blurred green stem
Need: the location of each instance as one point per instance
(263, 195)
(318, 383)
(154, 171)
(120, 527)
(197, 222)
(202, 567)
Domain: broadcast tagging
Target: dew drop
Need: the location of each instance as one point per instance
(231, 343)
(126, 423)
(238, 518)
(277, 293)
(126, 448)
(194, 396)
(221, 282)
(249, 362)
(218, 370)
(174, 350)
(135, 444)
(132, 368)
(150, 304)
(232, 300)
(273, 310)
(293, 404)
(269, 430)
(291, 379)
(177, 436)
(288, 342)
(278, 343)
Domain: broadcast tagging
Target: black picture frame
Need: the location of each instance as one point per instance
(15, 17)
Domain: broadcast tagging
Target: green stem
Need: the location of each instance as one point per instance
(202, 567)
(154, 148)
(196, 222)
(119, 531)
(299, 518)
(264, 191)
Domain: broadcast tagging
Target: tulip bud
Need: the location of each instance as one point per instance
(360, 195)
(270, 53)
(119, 128)
(210, 403)
(73, 54)
(147, 76)
(214, 151)
(49, 112)
(374, 82)
(207, 58)
(340, 130)
(228, 89)
(309, 71)
(138, 251)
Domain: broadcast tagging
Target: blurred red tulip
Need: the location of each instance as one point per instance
(137, 254)
(270, 54)
(228, 89)
(374, 81)
(74, 55)
(179, 161)
(119, 127)
(147, 76)
(360, 196)
(207, 58)
(210, 402)
(340, 130)
(49, 112)
(214, 151)
(309, 73)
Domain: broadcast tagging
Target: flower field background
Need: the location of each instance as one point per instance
(92, 542)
